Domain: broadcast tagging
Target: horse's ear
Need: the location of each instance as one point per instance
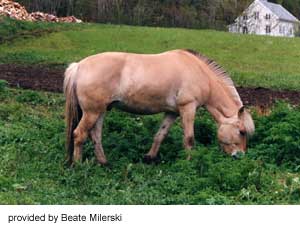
(241, 111)
(246, 121)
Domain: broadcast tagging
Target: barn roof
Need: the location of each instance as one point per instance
(280, 11)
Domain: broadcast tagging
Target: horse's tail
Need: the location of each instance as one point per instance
(73, 112)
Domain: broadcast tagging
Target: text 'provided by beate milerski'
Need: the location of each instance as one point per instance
(56, 218)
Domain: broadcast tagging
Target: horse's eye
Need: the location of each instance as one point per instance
(243, 133)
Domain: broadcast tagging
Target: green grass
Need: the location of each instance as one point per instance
(32, 167)
(32, 139)
(11, 29)
(251, 60)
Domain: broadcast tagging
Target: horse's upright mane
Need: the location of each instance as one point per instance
(221, 73)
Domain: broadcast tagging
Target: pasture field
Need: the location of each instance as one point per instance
(255, 61)
(32, 167)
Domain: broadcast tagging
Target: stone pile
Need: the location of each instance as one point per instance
(14, 10)
(44, 17)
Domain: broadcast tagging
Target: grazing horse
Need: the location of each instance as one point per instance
(174, 82)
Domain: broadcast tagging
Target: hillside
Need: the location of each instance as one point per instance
(32, 128)
(251, 60)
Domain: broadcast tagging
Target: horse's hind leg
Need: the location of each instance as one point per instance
(168, 120)
(96, 136)
(187, 114)
(86, 123)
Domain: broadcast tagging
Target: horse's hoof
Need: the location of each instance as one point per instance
(103, 163)
(68, 164)
(151, 160)
(73, 164)
(147, 159)
(108, 166)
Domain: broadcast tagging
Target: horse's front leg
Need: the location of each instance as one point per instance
(187, 114)
(168, 120)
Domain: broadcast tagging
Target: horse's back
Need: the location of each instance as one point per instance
(157, 81)
(124, 69)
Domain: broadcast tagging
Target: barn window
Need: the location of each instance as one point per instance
(268, 16)
(256, 15)
(245, 17)
(268, 29)
(280, 29)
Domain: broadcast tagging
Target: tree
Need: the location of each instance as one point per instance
(170, 13)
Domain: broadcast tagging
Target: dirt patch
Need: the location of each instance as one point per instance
(267, 97)
(47, 78)
(36, 77)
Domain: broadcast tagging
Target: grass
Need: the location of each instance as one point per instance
(32, 167)
(11, 29)
(32, 139)
(256, 61)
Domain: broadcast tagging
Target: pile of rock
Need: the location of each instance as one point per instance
(15, 10)
(40, 16)
(70, 19)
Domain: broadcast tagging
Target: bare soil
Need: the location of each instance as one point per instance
(50, 78)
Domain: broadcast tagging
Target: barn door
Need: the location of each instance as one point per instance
(245, 30)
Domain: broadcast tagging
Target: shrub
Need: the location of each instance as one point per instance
(297, 31)
(31, 97)
(277, 137)
(3, 85)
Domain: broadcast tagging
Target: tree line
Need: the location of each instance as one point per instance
(215, 14)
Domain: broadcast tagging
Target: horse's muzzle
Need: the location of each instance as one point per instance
(237, 154)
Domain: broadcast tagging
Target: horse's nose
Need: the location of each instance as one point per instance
(237, 154)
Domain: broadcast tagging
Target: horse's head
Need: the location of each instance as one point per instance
(233, 135)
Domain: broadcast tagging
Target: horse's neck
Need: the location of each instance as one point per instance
(222, 106)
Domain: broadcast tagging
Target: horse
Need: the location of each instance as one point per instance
(175, 83)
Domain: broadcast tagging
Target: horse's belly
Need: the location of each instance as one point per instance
(143, 109)
(146, 98)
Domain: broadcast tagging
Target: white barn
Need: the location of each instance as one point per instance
(266, 18)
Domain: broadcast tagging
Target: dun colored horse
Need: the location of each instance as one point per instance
(175, 82)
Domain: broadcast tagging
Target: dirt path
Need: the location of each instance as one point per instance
(51, 79)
